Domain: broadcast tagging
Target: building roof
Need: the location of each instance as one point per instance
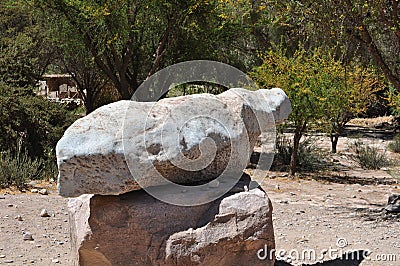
(57, 76)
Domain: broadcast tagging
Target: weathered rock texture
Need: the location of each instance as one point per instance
(187, 140)
(136, 229)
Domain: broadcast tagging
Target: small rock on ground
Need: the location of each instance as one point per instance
(28, 236)
(43, 192)
(44, 213)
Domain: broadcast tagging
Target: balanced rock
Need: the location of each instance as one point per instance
(128, 145)
(137, 229)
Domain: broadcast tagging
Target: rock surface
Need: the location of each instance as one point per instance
(186, 140)
(136, 229)
(393, 205)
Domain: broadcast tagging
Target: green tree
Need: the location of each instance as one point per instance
(129, 40)
(344, 92)
(366, 31)
(295, 75)
(321, 89)
(25, 46)
(89, 80)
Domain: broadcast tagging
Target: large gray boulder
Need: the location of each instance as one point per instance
(193, 139)
(137, 229)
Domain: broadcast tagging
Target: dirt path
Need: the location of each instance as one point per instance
(308, 214)
(312, 215)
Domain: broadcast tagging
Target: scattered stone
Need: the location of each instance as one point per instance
(33, 183)
(2, 256)
(207, 132)
(19, 218)
(34, 190)
(43, 191)
(354, 196)
(8, 261)
(277, 187)
(27, 236)
(292, 193)
(2, 197)
(10, 205)
(55, 261)
(393, 205)
(44, 213)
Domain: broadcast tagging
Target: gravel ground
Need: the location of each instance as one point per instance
(21, 214)
(307, 214)
(338, 217)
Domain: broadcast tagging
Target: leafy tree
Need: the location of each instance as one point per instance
(369, 29)
(24, 44)
(345, 91)
(321, 90)
(376, 26)
(129, 40)
(89, 80)
(295, 75)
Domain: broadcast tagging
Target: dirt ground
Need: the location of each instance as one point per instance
(336, 211)
(340, 210)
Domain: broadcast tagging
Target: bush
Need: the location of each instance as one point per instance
(30, 127)
(32, 121)
(19, 169)
(368, 157)
(395, 145)
(309, 155)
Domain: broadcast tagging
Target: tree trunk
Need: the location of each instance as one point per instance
(89, 105)
(298, 133)
(334, 140)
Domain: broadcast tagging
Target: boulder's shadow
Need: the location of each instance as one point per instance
(349, 259)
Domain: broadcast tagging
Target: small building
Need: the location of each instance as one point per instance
(60, 88)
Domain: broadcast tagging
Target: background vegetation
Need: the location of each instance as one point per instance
(336, 59)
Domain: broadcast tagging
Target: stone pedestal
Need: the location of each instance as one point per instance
(136, 229)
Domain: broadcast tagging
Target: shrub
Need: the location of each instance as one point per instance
(309, 154)
(395, 145)
(19, 169)
(368, 157)
(30, 127)
(32, 121)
